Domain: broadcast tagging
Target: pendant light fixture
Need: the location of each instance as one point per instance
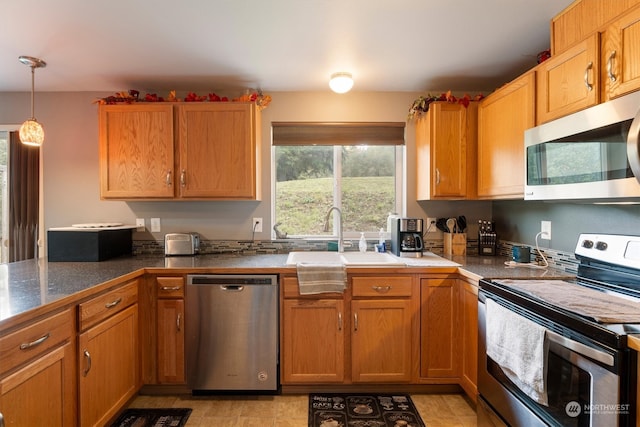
(341, 82)
(31, 132)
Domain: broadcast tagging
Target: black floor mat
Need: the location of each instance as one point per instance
(153, 417)
(360, 410)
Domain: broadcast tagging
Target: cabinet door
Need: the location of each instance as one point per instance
(43, 393)
(313, 341)
(439, 328)
(503, 117)
(217, 146)
(136, 151)
(469, 325)
(108, 367)
(569, 82)
(381, 340)
(171, 341)
(621, 56)
(446, 144)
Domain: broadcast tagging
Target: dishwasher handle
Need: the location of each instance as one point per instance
(232, 288)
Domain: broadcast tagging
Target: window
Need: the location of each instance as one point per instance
(356, 167)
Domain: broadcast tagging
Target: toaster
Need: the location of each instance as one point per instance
(181, 244)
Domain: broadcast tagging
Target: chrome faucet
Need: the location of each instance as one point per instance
(326, 226)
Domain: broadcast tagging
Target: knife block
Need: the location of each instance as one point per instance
(455, 244)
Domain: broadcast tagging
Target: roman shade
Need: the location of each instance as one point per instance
(338, 133)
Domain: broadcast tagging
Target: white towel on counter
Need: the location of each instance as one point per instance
(321, 278)
(519, 346)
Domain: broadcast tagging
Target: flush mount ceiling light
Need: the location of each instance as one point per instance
(341, 82)
(31, 132)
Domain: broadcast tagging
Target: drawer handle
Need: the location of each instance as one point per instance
(113, 303)
(87, 355)
(39, 341)
(170, 288)
(586, 76)
(612, 76)
(381, 289)
(179, 321)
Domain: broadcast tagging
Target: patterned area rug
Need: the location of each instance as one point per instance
(142, 417)
(360, 410)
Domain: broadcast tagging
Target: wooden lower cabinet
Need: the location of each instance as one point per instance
(171, 369)
(439, 331)
(170, 329)
(381, 341)
(39, 387)
(313, 342)
(108, 367)
(469, 337)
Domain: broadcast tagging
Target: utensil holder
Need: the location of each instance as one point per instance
(455, 244)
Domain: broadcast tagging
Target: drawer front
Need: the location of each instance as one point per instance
(382, 286)
(30, 341)
(103, 306)
(170, 287)
(290, 289)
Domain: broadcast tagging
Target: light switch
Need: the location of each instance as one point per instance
(155, 225)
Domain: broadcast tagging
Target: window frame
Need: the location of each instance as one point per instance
(400, 153)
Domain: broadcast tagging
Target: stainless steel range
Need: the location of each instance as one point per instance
(554, 352)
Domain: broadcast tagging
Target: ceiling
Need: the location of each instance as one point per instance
(228, 46)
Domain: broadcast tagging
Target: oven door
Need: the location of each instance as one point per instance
(582, 389)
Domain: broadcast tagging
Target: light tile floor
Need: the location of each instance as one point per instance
(436, 410)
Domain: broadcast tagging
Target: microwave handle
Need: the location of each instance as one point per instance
(580, 348)
(633, 147)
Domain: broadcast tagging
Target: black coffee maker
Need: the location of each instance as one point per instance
(406, 237)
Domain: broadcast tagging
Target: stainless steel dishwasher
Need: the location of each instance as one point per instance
(231, 325)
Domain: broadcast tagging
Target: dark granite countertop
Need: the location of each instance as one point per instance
(32, 284)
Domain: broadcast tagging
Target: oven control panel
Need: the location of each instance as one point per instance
(611, 248)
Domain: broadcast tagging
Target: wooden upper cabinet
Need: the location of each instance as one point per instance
(136, 151)
(189, 151)
(217, 150)
(503, 117)
(582, 18)
(569, 82)
(621, 56)
(447, 151)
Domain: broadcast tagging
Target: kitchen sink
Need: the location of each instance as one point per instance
(350, 259)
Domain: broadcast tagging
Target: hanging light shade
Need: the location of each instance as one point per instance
(341, 82)
(31, 132)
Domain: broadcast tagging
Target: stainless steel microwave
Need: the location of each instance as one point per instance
(591, 155)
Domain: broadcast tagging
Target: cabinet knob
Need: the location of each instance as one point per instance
(612, 76)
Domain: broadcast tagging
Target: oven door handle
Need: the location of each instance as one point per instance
(580, 348)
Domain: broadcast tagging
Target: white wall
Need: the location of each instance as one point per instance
(71, 181)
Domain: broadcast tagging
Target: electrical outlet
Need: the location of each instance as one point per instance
(140, 224)
(256, 225)
(155, 225)
(545, 229)
(431, 225)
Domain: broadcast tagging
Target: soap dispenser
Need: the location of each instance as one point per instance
(363, 243)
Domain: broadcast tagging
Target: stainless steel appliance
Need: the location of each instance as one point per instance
(231, 327)
(591, 154)
(181, 244)
(406, 237)
(590, 371)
